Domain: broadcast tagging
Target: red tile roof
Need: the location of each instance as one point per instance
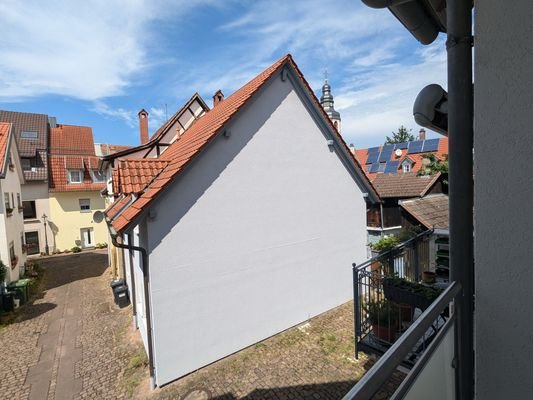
(71, 139)
(181, 152)
(72, 147)
(5, 129)
(416, 159)
(117, 206)
(134, 175)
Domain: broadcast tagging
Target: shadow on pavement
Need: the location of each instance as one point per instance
(330, 390)
(63, 270)
(34, 310)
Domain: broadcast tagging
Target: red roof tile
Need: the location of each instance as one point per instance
(202, 131)
(107, 149)
(431, 211)
(134, 175)
(5, 130)
(72, 147)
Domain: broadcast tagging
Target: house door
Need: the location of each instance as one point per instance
(87, 237)
(32, 241)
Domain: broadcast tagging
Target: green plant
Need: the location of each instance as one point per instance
(385, 243)
(3, 272)
(382, 312)
(76, 249)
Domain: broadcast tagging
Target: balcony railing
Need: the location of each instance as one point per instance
(432, 377)
(387, 296)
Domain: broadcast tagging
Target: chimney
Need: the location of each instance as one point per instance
(143, 125)
(352, 148)
(422, 134)
(218, 97)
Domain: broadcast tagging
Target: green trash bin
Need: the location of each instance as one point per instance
(21, 288)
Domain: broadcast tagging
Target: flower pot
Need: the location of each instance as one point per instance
(384, 332)
(429, 277)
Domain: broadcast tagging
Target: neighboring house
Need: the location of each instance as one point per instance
(31, 134)
(104, 149)
(167, 134)
(385, 218)
(12, 252)
(245, 226)
(393, 169)
(75, 185)
(400, 158)
(431, 212)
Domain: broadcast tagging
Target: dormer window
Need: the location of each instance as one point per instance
(75, 176)
(29, 134)
(407, 165)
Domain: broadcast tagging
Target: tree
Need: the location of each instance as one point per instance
(433, 165)
(403, 135)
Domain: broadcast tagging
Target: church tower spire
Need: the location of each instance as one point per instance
(326, 100)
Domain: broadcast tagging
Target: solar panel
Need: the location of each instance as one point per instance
(373, 154)
(386, 153)
(381, 167)
(373, 168)
(431, 145)
(392, 167)
(403, 145)
(415, 147)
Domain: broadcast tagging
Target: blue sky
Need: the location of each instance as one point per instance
(98, 62)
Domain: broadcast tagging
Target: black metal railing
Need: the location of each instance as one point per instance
(384, 304)
(381, 371)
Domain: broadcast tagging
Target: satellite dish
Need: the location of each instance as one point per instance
(98, 216)
(398, 152)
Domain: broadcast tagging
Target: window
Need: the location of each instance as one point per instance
(13, 257)
(98, 176)
(29, 210)
(74, 176)
(29, 134)
(7, 202)
(19, 202)
(85, 205)
(406, 166)
(26, 164)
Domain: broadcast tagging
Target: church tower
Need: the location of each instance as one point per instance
(326, 100)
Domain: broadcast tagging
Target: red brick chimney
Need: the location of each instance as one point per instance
(422, 134)
(218, 97)
(143, 125)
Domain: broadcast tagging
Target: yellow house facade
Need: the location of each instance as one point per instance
(71, 220)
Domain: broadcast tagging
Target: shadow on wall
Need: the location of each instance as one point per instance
(214, 162)
(54, 229)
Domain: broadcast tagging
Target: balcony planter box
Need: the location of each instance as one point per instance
(401, 291)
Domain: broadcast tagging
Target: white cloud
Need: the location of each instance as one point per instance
(82, 49)
(126, 116)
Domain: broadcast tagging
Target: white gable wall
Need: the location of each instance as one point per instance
(257, 236)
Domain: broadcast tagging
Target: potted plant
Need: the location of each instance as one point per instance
(383, 316)
(429, 277)
(3, 273)
(401, 291)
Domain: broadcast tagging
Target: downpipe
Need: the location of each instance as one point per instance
(146, 281)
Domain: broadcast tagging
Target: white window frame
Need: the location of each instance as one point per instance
(79, 171)
(85, 205)
(406, 166)
(95, 180)
(29, 135)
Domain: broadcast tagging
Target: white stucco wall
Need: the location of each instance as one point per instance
(503, 198)
(11, 227)
(257, 236)
(37, 191)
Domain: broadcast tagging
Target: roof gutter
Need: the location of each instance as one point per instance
(146, 282)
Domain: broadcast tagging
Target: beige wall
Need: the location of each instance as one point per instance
(67, 220)
(38, 192)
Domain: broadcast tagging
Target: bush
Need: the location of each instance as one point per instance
(76, 249)
(3, 272)
(385, 243)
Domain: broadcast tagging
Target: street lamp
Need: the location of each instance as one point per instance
(44, 218)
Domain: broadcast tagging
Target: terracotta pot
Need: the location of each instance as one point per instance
(384, 332)
(429, 277)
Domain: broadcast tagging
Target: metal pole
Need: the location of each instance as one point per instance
(356, 306)
(460, 127)
(46, 248)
